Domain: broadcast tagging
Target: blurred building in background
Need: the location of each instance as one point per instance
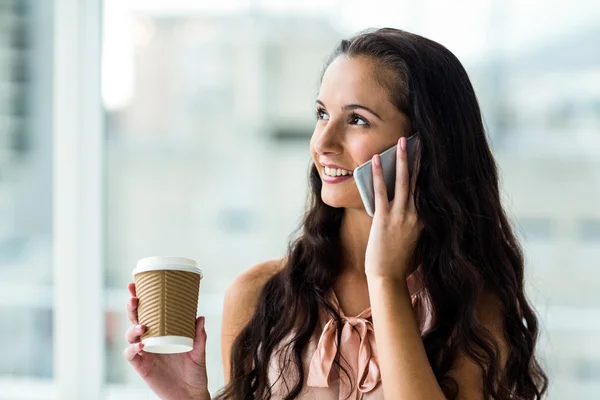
(209, 116)
(25, 189)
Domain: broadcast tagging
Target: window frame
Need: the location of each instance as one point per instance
(78, 209)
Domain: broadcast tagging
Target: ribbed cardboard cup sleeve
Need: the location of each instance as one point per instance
(167, 302)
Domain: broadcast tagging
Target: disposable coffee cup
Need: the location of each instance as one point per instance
(167, 289)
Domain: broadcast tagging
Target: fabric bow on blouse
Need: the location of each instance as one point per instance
(357, 348)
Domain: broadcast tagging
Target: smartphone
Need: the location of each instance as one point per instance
(363, 174)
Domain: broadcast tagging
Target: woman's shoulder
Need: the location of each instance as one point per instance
(242, 293)
(254, 278)
(241, 298)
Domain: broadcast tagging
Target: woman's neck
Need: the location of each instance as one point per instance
(354, 236)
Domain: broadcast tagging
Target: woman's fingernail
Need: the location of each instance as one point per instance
(377, 160)
(139, 328)
(202, 323)
(403, 143)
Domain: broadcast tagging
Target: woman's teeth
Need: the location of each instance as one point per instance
(337, 172)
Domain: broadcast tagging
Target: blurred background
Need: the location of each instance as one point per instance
(202, 113)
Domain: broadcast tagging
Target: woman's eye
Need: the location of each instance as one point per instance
(358, 120)
(321, 114)
(355, 119)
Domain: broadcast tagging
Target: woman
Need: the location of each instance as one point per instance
(423, 301)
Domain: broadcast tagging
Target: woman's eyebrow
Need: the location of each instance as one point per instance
(348, 107)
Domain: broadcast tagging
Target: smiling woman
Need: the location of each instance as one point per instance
(436, 276)
(424, 300)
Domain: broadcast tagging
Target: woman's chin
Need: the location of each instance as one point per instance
(339, 201)
(334, 204)
(332, 201)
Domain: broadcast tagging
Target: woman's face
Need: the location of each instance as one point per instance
(355, 120)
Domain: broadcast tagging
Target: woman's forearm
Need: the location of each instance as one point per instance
(405, 369)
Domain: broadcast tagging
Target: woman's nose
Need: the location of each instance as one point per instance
(328, 141)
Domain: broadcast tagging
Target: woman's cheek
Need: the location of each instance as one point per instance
(363, 155)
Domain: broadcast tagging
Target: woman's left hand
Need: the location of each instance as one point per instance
(396, 227)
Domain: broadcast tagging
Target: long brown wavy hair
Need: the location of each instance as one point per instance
(467, 245)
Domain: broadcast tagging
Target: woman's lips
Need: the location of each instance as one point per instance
(335, 179)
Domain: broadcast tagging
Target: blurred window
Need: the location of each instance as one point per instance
(26, 337)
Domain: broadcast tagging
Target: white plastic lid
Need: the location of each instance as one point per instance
(158, 263)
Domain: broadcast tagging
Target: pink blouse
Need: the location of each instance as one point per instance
(357, 353)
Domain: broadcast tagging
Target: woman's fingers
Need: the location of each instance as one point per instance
(198, 353)
(132, 305)
(132, 310)
(133, 352)
(132, 335)
(402, 180)
(131, 288)
(382, 202)
(414, 169)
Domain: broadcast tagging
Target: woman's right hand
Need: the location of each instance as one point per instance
(171, 376)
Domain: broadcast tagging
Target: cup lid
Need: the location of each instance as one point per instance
(157, 263)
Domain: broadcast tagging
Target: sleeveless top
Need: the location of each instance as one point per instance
(357, 353)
